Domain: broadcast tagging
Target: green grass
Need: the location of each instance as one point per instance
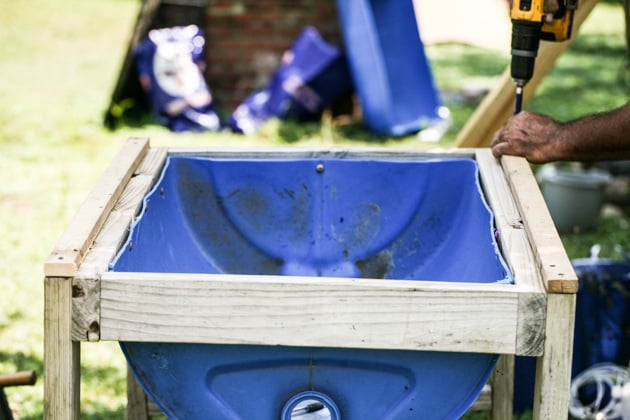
(59, 62)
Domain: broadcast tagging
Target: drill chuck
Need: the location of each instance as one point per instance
(525, 43)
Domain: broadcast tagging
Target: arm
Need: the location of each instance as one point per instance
(541, 139)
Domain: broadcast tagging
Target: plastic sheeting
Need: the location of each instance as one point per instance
(390, 219)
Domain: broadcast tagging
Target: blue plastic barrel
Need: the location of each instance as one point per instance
(391, 73)
(602, 324)
(387, 219)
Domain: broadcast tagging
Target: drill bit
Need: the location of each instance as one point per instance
(518, 102)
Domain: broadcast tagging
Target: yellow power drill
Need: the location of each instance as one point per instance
(529, 26)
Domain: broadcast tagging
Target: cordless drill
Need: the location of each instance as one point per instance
(529, 26)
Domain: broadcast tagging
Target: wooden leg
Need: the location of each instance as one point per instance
(503, 387)
(137, 401)
(61, 354)
(553, 368)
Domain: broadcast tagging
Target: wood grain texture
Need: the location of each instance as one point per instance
(86, 284)
(303, 311)
(553, 370)
(512, 236)
(61, 354)
(551, 258)
(74, 243)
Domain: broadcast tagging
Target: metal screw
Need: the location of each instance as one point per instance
(319, 168)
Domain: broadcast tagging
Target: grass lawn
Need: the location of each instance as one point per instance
(59, 62)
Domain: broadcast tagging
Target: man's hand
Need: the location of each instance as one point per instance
(533, 136)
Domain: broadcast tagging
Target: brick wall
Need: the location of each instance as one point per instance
(245, 40)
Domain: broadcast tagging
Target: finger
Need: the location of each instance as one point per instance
(551, 6)
(500, 149)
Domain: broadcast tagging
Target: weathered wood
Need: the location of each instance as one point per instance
(116, 227)
(498, 105)
(137, 400)
(306, 311)
(553, 370)
(74, 243)
(502, 381)
(484, 400)
(61, 354)
(552, 260)
(86, 284)
(512, 235)
(85, 309)
(517, 251)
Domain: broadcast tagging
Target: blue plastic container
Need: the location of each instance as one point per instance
(389, 67)
(602, 324)
(388, 219)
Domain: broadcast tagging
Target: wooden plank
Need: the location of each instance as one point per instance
(137, 400)
(86, 284)
(517, 250)
(484, 400)
(61, 354)
(551, 258)
(116, 227)
(518, 253)
(308, 311)
(74, 243)
(498, 105)
(512, 236)
(502, 381)
(553, 369)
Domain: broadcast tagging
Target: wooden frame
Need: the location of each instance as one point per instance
(533, 317)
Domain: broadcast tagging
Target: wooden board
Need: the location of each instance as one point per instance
(551, 258)
(312, 311)
(74, 243)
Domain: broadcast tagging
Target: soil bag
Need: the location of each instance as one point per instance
(313, 73)
(168, 63)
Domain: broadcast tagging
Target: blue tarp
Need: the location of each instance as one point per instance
(388, 219)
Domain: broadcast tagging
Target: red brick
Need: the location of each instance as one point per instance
(246, 38)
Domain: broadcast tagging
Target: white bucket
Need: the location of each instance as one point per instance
(574, 197)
